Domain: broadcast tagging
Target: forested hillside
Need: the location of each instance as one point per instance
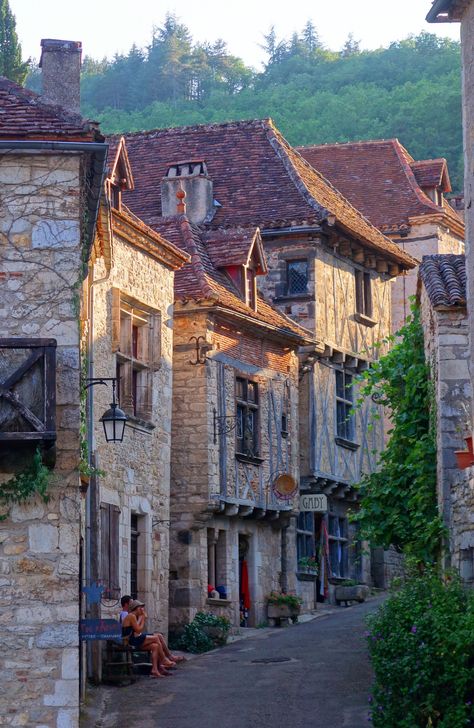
(411, 90)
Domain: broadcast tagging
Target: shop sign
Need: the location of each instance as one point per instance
(316, 502)
(285, 486)
(100, 629)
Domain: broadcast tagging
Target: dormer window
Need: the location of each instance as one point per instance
(115, 196)
(250, 288)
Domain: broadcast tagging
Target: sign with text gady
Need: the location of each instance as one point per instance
(316, 502)
(100, 629)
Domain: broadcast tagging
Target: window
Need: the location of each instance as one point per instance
(363, 288)
(305, 535)
(109, 550)
(136, 333)
(344, 404)
(296, 277)
(246, 395)
(251, 288)
(338, 546)
(134, 535)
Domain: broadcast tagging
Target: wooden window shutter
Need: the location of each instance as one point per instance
(104, 544)
(126, 386)
(109, 549)
(114, 551)
(115, 319)
(154, 341)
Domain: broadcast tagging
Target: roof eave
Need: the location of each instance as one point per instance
(440, 12)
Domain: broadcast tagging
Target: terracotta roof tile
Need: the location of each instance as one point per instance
(199, 280)
(233, 246)
(382, 180)
(259, 180)
(24, 115)
(444, 277)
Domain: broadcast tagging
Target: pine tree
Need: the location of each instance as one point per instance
(11, 64)
(351, 47)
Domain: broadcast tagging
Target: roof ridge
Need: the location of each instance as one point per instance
(179, 130)
(424, 199)
(196, 260)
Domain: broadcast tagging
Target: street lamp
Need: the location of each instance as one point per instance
(114, 419)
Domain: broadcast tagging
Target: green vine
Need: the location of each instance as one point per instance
(398, 503)
(85, 468)
(31, 482)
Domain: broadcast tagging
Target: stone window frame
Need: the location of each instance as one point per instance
(364, 304)
(289, 263)
(246, 406)
(136, 341)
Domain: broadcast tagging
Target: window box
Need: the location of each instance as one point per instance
(306, 575)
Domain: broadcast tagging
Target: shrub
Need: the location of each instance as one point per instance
(204, 633)
(421, 643)
(292, 600)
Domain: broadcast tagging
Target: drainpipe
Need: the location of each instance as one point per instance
(284, 560)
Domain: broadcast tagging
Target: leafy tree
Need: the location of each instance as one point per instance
(11, 64)
(398, 501)
(351, 47)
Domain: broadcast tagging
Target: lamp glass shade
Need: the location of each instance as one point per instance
(114, 423)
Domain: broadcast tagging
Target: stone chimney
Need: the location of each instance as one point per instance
(60, 63)
(190, 177)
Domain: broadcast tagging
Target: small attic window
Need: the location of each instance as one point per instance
(250, 288)
(115, 196)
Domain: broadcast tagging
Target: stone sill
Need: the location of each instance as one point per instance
(293, 297)
(136, 423)
(348, 444)
(365, 320)
(218, 602)
(249, 458)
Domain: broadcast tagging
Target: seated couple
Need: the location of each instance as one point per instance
(132, 619)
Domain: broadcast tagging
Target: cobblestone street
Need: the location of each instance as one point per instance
(314, 674)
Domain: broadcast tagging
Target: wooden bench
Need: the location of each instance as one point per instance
(122, 663)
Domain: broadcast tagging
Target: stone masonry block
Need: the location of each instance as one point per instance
(43, 538)
(65, 694)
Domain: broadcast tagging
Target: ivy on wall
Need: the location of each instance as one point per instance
(398, 503)
(32, 481)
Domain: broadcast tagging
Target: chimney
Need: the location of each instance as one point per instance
(190, 177)
(60, 63)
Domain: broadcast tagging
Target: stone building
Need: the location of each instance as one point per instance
(401, 196)
(51, 163)
(128, 334)
(442, 296)
(329, 269)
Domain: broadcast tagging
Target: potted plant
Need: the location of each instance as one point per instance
(465, 458)
(308, 565)
(282, 606)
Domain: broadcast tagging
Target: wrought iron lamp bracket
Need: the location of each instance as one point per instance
(223, 424)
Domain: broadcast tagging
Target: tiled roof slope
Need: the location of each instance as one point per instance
(233, 246)
(24, 116)
(199, 280)
(382, 180)
(444, 277)
(259, 180)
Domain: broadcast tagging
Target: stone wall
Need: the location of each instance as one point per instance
(424, 239)
(213, 492)
(447, 349)
(137, 471)
(467, 43)
(40, 252)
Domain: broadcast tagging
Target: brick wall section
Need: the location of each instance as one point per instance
(39, 543)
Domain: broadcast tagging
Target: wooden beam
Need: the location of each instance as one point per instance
(382, 265)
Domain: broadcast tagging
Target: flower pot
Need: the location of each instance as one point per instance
(464, 459)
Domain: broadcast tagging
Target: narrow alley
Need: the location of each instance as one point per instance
(314, 674)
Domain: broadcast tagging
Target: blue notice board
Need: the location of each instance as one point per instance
(100, 629)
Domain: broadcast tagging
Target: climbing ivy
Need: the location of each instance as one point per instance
(32, 481)
(398, 503)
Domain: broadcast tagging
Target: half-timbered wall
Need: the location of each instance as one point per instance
(215, 492)
(40, 265)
